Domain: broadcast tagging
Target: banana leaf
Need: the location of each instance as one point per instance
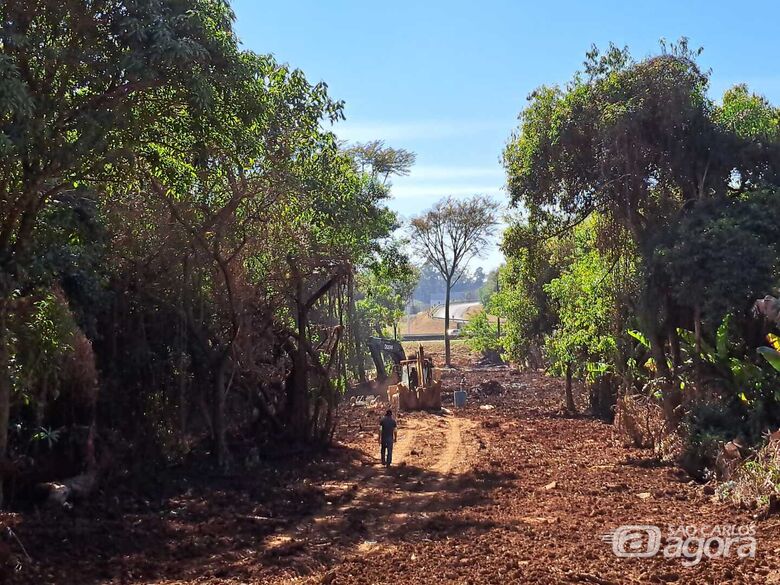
(771, 355)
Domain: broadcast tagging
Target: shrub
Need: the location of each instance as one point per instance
(481, 335)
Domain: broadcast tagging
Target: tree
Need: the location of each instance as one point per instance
(721, 255)
(490, 286)
(334, 226)
(481, 335)
(381, 161)
(76, 78)
(642, 144)
(228, 222)
(386, 285)
(588, 298)
(449, 236)
(376, 163)
(521, 300)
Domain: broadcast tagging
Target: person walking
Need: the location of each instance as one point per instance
(388, 433)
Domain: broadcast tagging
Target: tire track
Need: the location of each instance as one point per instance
(382, 502)
(449, 457)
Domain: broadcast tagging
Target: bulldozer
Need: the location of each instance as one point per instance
(412, 383)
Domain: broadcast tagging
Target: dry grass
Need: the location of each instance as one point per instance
(756, 483)
(639, 421)
(421, 324)
(461, 354)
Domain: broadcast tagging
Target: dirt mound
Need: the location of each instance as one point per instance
(489, 388)
(490, 358)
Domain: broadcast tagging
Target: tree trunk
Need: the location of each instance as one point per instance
(5, 391)
(498, 319)
(697, 328)
(342, 352)
(670, 391)
(447, 324)
(569, 394)
(698, 344)
(297, 395)
(674, 345)
(182, 400)
(658, 351)
(360, 368)
(654, 314)
(218, 413)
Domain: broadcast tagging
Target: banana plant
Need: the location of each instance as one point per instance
(742, 376)
(737, 373)
(48, 435)
(771, 353)
(769, 308)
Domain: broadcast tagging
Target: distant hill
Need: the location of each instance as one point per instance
(423, 323)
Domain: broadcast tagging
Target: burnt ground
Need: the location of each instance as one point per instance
(516, 493)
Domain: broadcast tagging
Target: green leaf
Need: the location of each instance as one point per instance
(770, 355)
(722, 338)
(689, 339)
(640, 337)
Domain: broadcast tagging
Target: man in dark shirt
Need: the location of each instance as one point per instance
(388, 432)
(414, 380)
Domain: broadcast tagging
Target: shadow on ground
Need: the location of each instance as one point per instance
(245, 526)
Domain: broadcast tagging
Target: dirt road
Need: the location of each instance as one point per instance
(518, 494)
(503, 491)
(382, 502)
(458, 311)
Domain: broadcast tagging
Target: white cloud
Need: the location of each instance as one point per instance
(442, 172)
(413, 190)
(418, 130)
(443, 180)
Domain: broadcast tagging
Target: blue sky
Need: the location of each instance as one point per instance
(447, 79)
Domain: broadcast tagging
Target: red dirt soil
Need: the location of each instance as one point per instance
(513, 494)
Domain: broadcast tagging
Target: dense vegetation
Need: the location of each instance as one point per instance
(190, 262)
(649, 225)
(187, 255)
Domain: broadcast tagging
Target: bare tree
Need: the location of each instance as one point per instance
(449, 236)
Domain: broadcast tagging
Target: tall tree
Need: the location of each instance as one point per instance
(386, 284)
(642, 144)
(381, 161)
(376, 163)
(331, 226)
(449, 236)
(75, 79)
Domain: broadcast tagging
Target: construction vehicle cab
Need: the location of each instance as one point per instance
(412, 378)
(418, 388)
(410, 383)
